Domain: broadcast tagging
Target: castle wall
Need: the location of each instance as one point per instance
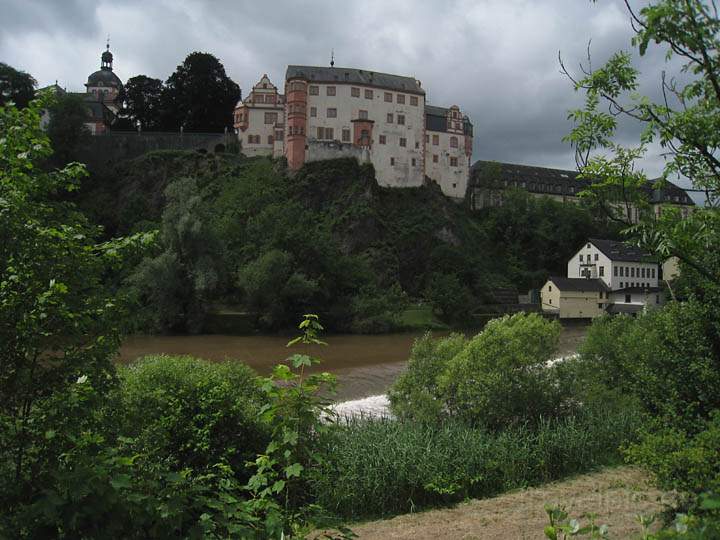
(395, 165)
(453, 179)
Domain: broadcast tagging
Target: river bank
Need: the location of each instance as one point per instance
(365, 365)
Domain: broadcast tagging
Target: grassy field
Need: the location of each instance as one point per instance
(421, 317)
(617, 495)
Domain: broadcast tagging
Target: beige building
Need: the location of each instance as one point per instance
(383, 119)
(574, 298)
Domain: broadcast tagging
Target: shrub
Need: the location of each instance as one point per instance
(186, 413)
(415, 394)
(664, 357)
(501, 376)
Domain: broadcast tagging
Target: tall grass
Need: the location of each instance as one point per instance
(374, 468)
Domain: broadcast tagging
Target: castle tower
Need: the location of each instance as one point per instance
(296, 133)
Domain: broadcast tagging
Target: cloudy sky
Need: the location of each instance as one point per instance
(496, 59)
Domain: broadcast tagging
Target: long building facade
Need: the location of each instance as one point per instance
(379, 118)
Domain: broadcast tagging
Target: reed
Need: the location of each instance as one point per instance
(374, 468)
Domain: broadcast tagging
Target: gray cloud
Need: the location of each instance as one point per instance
(497, 59)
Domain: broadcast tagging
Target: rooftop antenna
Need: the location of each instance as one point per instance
(332, 57)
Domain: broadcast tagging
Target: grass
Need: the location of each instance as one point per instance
(421, 317)
(381, 468)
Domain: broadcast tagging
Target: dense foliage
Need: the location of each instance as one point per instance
(496, 379)
(16, 86)
(143, 101)
(66, 127)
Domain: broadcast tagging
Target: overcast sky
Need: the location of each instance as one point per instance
(496, 59)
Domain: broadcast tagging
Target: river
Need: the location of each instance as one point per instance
(364, 365)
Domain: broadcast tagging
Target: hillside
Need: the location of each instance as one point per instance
(243, 232)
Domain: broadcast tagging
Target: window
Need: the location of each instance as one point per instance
(642, 271)
(383, 139)
(314, 90)
(622, 271)
(436, 140)
(392, 161)
(628, 298)
(329, 133)
(596, 255)
(602, 271)
(417, 145)
(581, 257)
(653, 273)
(332, 113)
(271, 140)
(600, 305)
(621, 284)
(615, 271)
(388, 97)
(435, 158)
(588, 246)
(320, 132)
(549, 288)
(346, 135)
(413, 101)
(550, 300)
(632, 272)
(270, 117)
(313, 112)
(412, 161)
(403, 141)
(453, 142)
(401, 99)
(368, 94)
(330, 91)
(389, 118)
(453, 162)
(401, 119)
(355, 92)
(362, 115)
(278, 135)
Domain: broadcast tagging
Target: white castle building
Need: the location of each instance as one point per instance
(379, 118)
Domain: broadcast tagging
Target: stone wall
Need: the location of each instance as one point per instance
(105, 150)
(320, 150)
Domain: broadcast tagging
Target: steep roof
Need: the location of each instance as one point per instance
(355, 76)
(436, 120)
(620, 251)
(579, 284)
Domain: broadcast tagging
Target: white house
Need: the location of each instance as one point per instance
(604, 276)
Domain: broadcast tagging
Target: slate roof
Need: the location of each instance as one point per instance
(620, 251)
(104, 77)
(436, 120)
(579, 284)
(558, 182)
(363, 77)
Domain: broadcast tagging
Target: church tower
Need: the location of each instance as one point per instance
(103, 85)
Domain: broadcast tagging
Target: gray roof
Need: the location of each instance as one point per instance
(579, 284)
(355, 76)
(104, 76)
(638, 290)
(620, 251)
(559, 182)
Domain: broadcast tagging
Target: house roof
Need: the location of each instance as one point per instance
(638, 290)
(493, 174)
(579, 284)
(355, 76)
(620, 251)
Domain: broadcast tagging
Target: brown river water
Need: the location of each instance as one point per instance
(363, 365)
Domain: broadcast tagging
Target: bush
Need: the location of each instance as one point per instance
(377, 468)
(186, 413)
(501, 376)
(664, 357)
(415, 394)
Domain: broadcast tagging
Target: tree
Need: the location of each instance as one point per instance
(66, 129)
(199, 96)
(143, 101)
(15, 86)
(685, 122)
(59, 323)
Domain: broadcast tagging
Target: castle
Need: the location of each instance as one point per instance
(383, 119)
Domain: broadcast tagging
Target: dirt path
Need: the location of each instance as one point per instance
(616, 495)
